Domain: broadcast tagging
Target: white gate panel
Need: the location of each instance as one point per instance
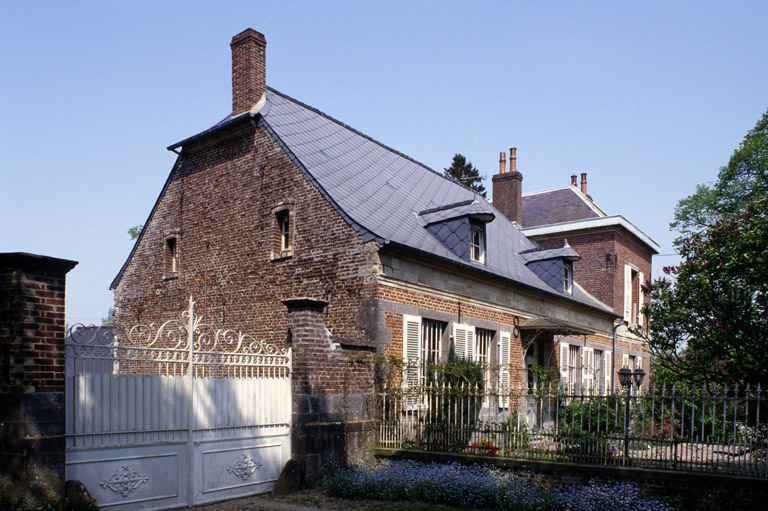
(227, 469)
(133, 478)
(176, 415)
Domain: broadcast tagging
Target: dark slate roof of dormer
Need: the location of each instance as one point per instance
(380, 191)
(479, 210)
(541, 254)
(556, 206)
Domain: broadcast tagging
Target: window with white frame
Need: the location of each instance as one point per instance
(570, 355)
(567, 277)
(477, 244)
(483, 339)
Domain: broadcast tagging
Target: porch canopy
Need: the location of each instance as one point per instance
(553, 326)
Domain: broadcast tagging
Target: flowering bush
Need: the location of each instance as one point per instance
(476, 487)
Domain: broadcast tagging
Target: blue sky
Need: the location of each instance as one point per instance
(648, 98)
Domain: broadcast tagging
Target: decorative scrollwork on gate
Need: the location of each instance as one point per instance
(167, 348)
(124, 481)
(244, 467)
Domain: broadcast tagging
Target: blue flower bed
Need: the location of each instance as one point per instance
(477, 487)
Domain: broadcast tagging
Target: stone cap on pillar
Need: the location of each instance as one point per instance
(25, 261)
(303, 303)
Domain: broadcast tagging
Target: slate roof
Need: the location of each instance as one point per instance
(385, 195)
(555, 206)
(382, 191)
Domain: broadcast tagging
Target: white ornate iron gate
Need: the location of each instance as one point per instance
(175, 415)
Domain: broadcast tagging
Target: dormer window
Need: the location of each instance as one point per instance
(567, 277)
(477, 244)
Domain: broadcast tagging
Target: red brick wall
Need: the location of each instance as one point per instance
(221, 202)
(32, 324)
(604, 277)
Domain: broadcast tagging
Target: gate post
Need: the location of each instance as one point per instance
(32, 360)
(332, 420)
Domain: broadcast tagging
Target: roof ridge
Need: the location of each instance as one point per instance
(368, 137)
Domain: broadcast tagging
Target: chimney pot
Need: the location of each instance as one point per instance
(508, 189)
(584, 183)
(502, 162)
(249, 69)
(573, 181)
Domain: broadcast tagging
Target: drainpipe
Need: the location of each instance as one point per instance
(613, 357)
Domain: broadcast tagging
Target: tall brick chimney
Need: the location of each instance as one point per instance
(584, 183)
(249, 69)
(508, 189)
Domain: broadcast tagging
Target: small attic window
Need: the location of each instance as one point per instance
(477, 244)
(282, 246)
(284, 225)
(567, 277)
(171, 259)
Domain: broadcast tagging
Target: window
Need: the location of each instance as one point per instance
(282, 246)
(569, 366)
(284, 228)
(431, 335)
(483, 339)
(477, 244)
(567, 277)
(422, 343)
(597, 372)
(171, 259)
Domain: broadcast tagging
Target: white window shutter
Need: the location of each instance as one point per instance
(411, 349)
(564, 364)
(628, 293)
(608, 369)
(464, 341)
(505, 341)
(640, 301)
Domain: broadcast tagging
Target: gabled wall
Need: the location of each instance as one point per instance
(221, 204)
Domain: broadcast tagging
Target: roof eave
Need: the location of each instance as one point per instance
(589, 223)
(490, 274)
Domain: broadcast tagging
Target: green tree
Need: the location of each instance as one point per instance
(743, 181)
(708, 320)
(465, 173)
(135, 231)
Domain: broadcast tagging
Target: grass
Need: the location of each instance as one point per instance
(406, 484)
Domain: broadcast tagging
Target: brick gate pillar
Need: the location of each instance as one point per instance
(32, 360)
(332, 390)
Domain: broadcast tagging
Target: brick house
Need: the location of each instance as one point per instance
(280, 204)
(615, 258)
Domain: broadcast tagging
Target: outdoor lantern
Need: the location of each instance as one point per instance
(638, 375)
(625, 377)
